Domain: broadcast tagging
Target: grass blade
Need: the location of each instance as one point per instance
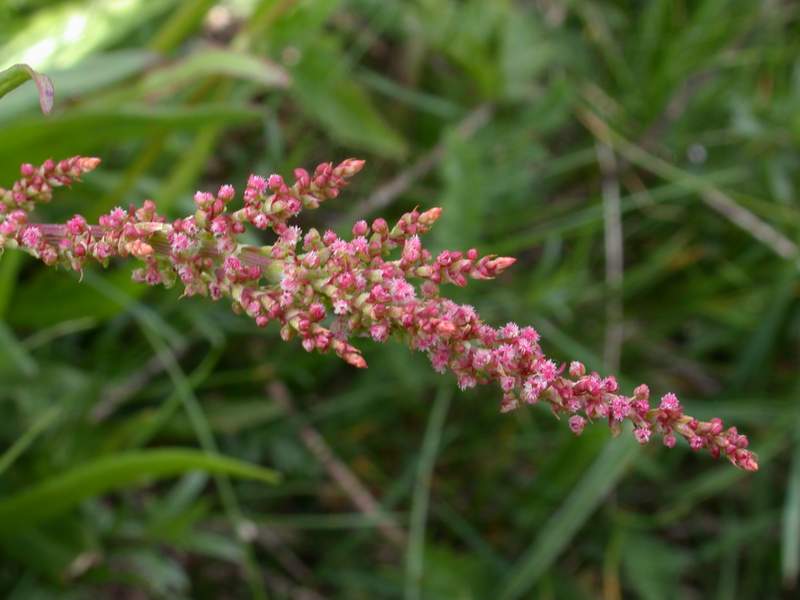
(26, 439)
(422, 488)
(790, 527)
(15, 76)
(60, 493)
(565, 523)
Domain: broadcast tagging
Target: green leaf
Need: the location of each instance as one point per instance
(328, 94)
(214, 61)
(557, 533)
(65, 33)
(15, 76)
(67, 134)
(42, 422)
(76, 299)
(15, 352)
(790, 526)
(64, 491)
(94, 73)
(415, 552)
(653, 567)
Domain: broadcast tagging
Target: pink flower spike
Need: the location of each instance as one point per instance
(381, 283)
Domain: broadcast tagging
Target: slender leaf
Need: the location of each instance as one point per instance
(15, 76)
(62, 492)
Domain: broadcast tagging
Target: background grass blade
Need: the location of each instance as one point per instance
(62, 492)
(44, 421)
(415, 553)
(560, 529)
(15, 76)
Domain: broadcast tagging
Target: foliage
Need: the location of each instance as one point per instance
(551, 131)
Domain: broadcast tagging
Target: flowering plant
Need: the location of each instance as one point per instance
(327, 290)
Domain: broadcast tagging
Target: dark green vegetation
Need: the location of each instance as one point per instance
(554, 131)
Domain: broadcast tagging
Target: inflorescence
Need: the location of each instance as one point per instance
(327, 290)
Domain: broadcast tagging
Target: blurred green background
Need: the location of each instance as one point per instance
(639, 158)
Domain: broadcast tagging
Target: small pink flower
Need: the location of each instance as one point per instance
(576, 424)
(76, 225)
(379, 332)
(642, 434)
(642, 392)
(509, 331)
(619, 408)
(412, 250)
(226, 193)
(31, 236)
(261, 221)
(548, 369)
(341, 307)
(481, 358)
(669, 402)
(576, 369)
(180, 243)
(507, 383)
(466, 381)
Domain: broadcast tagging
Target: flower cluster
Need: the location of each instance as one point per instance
(327, 290)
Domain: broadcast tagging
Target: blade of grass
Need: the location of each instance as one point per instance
(415, 551)
(183, 21)
(9, 267)
(790, 526)
(16, 352)
(23, 442)
(753, 360)
(15, 76)
(205, 436)
(564, 524)
(713, 196)
(59, 493)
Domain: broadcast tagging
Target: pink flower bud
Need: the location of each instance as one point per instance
(380, 226)
(576, 369)
(412, 249)
(429, 217)
(76, 225)
(669, 402)
(88, 163)
(642, 434)
(329, 237)
(348, 167)
(316, 312)
(226, 193)
(31, 236)
(576, 424)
